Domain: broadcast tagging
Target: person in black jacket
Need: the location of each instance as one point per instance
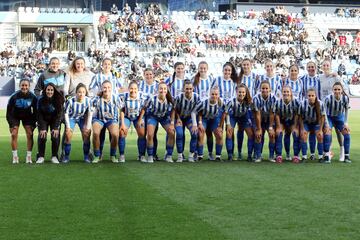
(50, 111)
(22, 107)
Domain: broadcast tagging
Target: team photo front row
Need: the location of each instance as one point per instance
(305, 109)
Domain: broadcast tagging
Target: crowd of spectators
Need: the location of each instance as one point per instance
(276, 35)
(347, 12)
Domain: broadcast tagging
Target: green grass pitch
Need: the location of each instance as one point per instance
(206, 200)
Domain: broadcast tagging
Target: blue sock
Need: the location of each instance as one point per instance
(327, 143)
(200, 150)
(257, 149)
(218, 149)
(229, 143)
(67, 149)
(112, 151)
(271, 149)
(193, 143)
(141, 142)
(169, 150)
(296, 144)
(347, 143)
(97, 152)
(86, 149)
(278, 144)
(102, 139)
(250, 145)
(304, 148)
(150, 150)
(210, 144)
(240, 139)
(312, 142)
(320, 147)
(287, 143)
(122, 144)
(179, 139)
(155, 141)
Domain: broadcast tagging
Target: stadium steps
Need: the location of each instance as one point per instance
(316, 37)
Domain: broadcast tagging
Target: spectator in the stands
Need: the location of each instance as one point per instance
(114, 9)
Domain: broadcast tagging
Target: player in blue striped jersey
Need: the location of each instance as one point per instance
(227, 82)
(176, 81)
(148, 86)
(286, 112)
(105, 75)
(311, 80)
(78, 111)
(202, 84)
(328, 78)
(107, 108)
(312, 119)
(185, 109)
(133, 103)
(96, 86)
(250, 79)
(263, 107)
(159, 110)
(209, 117)
(295, 82)
(274, 79)
(237, 112)
(337, 107)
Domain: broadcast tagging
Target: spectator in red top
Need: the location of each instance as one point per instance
(342, 39)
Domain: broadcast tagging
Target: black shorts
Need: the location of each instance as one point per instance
(25, 122)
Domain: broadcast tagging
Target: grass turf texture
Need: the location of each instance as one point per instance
(206, 200)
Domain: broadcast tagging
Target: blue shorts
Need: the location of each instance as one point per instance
(128, 122)
(287, 123)
(338, 122)
(153, 120)
(80, 122)
(311, 127)
(104, 123)
(186, 121)
(212, 124)
(243, 122)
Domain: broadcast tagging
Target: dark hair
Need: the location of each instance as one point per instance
(53, 58)
(265, 82)
(174, 74)
(248, 99)
(23, 80)
(100, 94)
(233, 76)
(340, 84)
(197, 76)
(241, 74)
(58, 97)
(317, 104)
(132, 83)
(81, 85)
(168, 95)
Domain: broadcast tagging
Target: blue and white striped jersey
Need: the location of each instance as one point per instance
(148, 90)
(184, 107)
(107, 110)
(311, 82)
(132, 106)
(176, 87)
(99, 78)
(265, 106)
(236, 108)
(275, 84)
(296, 87)
(226, 88)
(336, 107)
(204, 87)
(287, 111)
(250, 81)
(158, 108)
(75, 109)
(208, 110)
(308, 112)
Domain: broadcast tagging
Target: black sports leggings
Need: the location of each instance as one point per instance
(55, 142)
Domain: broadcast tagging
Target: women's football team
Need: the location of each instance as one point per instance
(302, 108)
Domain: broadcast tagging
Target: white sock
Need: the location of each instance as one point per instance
(28, 153)
(14, 153)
